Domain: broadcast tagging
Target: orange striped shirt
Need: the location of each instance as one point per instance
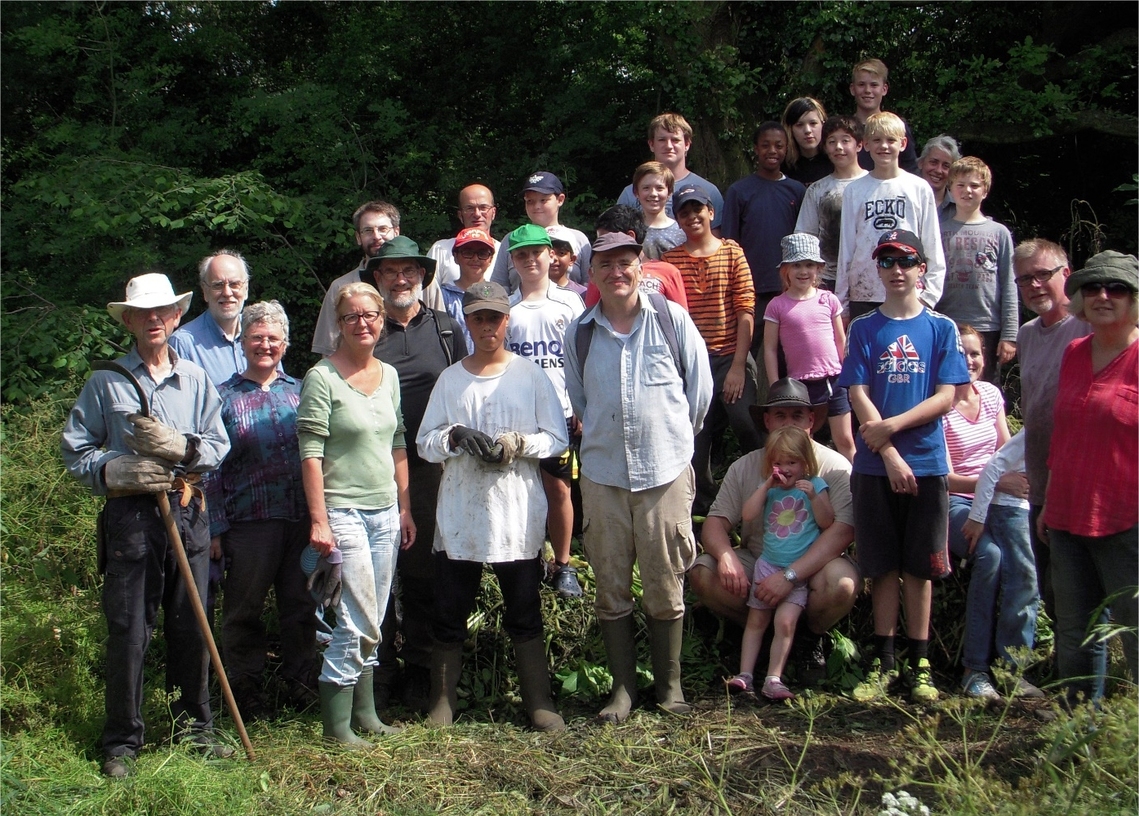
(718, 287)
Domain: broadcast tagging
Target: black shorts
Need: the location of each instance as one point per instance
(828, 392)
(899, 532)
(562, 466)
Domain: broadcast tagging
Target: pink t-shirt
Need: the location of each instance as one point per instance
(972, 443)
(806, 333)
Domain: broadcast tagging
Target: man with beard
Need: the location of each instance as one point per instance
(213, 338)
(419, 342)
(375, 223)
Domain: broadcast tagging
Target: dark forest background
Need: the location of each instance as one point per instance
(140, 135)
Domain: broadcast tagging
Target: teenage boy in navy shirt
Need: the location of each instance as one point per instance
(903, 365)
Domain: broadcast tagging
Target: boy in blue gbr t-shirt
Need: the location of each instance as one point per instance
(902, 366)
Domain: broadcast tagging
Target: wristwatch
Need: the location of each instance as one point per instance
(790, 575)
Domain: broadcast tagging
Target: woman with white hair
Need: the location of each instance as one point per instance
(259, 520)
(934, 162)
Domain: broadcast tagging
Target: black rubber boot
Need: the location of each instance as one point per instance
(534, 682)
(446, 669)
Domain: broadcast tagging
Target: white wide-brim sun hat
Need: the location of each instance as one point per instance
(149, 291)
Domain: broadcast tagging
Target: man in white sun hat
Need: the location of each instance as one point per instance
(117, 452)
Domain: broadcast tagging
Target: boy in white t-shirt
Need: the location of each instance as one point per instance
(886, 200)
(540, 312)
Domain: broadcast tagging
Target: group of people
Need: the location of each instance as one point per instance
(461, 390)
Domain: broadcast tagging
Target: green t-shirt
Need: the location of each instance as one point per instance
(354, 434)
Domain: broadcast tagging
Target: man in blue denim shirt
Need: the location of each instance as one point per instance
(640, 412)
(213, 338)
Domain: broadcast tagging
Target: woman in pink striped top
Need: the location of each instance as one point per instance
(974, 429)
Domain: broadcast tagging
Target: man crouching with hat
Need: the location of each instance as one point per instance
(117, 452)
(721, 576)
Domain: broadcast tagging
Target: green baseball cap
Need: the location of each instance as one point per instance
(529, 235)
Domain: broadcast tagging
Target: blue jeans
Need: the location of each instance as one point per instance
(369, 540)
(1086, 571)
(1002, 564)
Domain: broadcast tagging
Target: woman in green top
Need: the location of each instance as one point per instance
(354, 466)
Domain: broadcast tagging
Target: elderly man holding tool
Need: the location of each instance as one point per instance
(134, 454)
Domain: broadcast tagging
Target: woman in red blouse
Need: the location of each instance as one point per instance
(1091, 513)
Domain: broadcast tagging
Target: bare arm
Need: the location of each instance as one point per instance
(839, 336)
(312, 476)
(715, 538)
(734, 381)
(406, 522)
(771, 350)
(753, 507)
(820, 504)
(876, 432)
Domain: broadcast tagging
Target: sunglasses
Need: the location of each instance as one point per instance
(1114, 289)
(905, 261)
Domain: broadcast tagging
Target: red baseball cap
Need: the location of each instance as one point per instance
(474, 235)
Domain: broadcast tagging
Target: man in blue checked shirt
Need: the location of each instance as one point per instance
(640, 382)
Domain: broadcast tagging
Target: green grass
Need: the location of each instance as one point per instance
(822, 754)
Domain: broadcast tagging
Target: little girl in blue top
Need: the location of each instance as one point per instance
(795, 509)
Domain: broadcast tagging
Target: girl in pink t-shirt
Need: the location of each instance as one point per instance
(806, 323)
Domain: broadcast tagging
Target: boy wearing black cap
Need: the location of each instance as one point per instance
(902, 367)
(492, 416)
(544, 196)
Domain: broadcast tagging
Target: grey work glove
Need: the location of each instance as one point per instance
(476, 443)
(324, 584)
(152, 438)
(138, 474)
(512, 444)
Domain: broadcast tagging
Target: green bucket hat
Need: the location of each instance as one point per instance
(403, 247)
(1106, 267)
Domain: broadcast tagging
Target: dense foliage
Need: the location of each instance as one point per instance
(140, 134)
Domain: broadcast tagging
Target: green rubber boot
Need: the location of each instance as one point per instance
(364, 716)
(621, 654)
(336, 714)
(665, 639)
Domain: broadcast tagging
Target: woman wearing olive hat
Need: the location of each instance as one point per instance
(1090, 517)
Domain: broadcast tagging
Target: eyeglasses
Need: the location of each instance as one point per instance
(217, 287)
(352, 318)
(260, 339)
(163, 312)
(1042, 278)
(481, 254)
(619, 266)
(1114, 289)
(904, 261)
(381, 231)
(481, 209)
(408, 272)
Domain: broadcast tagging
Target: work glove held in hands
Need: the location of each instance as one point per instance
(512, 444)
(324, 583)
(138, 474)
(152, 438)
(476, 443)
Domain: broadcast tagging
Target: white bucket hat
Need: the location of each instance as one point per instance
(801, 246)
(149, 291)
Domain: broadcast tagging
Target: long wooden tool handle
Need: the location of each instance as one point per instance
(203, 623)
